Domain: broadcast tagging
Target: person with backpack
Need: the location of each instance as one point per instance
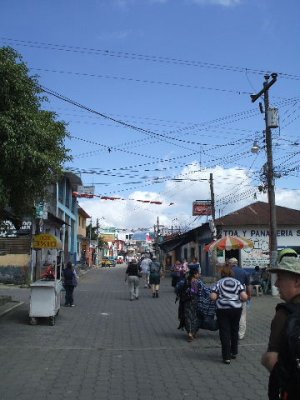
(187, 291)
(154, 276)
(282, 358)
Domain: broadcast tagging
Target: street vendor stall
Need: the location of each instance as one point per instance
(45, 292)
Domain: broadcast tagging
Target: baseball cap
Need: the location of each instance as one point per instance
(287, 252)
(288, 264)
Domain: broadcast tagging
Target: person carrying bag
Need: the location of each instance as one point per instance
(70, 281)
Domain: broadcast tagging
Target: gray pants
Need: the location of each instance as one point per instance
(133, 283)
(242, 328)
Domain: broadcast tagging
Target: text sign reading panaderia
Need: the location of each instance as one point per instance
(46, 241)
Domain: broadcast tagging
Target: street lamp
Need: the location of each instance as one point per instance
(255, 147)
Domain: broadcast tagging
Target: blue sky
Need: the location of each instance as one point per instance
(172, 82)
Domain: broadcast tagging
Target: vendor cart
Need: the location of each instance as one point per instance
(45, 300)
(46, 291)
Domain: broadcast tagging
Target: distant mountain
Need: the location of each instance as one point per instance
(139, 236)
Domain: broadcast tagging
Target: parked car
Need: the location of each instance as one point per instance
(108, 262)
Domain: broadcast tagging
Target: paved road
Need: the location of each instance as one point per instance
(110, 348)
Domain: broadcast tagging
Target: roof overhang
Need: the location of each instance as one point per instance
(74, 179)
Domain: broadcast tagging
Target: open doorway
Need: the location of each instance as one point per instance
(232, 253)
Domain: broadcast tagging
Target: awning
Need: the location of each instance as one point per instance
(46, 241)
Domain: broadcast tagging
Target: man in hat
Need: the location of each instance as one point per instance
(287, 252)
(241, 275)
(288, 284)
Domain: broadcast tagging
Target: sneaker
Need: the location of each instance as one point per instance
(233, 356)
(156, 294)
(153, 295)
(226, 361)
(72, 305)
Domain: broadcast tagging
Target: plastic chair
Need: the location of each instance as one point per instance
(257, 290)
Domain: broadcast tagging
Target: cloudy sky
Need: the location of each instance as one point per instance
(156, 95)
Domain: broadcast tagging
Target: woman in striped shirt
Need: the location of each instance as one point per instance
(229, 294)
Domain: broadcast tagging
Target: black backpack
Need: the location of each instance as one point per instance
(288, 367)
(183, 291)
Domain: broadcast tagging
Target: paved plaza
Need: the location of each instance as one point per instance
(110, 348)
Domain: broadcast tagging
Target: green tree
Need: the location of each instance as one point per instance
(31, 139)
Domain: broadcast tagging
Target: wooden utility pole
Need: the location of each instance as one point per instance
(213, 226)
(213, 210)
(270, 169)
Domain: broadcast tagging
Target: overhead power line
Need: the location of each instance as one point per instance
(122, 78)
(141, 57)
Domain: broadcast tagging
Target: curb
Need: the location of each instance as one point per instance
(6, 308)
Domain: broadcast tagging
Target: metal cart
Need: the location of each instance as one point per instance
(45, 300)
(46, 292)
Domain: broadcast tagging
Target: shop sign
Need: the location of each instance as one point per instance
(46, 241)
(202, 207)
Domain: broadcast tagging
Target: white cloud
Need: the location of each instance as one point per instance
(233, 189)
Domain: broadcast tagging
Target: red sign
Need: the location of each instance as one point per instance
(202, 207)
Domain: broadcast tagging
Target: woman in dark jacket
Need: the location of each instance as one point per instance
(70, 281)
(133, 272)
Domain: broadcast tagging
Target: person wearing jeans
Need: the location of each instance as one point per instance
(229, 294)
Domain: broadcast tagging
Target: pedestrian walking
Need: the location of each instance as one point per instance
(154, 277)
(70, 281)
(145, 267)
(282, 358)
(175, 273)
(194, 264)
(241, 275)
(187, 291)
(133, 273)
(229, 294)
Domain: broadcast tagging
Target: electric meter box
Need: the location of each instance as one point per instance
(273, 118)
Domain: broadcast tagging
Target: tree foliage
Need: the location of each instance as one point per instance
(31, 139)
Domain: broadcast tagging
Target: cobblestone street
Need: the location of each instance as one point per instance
(110, 348)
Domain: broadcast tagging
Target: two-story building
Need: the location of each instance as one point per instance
(57, 215)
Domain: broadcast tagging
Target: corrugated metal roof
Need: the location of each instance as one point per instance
(258, 214)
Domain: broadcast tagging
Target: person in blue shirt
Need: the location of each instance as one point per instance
(243, 277)
(256, 276)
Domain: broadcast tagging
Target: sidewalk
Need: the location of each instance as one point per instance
(110, 348)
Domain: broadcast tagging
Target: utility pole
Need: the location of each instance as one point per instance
(157, 238)
(97, 230)
(270, 169)
(213, 226)
(213, 210)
